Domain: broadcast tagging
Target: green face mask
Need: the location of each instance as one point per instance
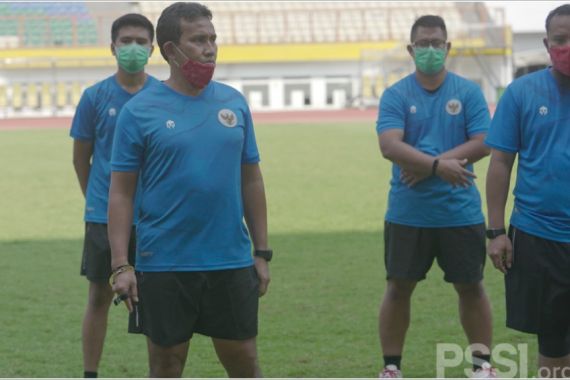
(132, 57)
(429, 60)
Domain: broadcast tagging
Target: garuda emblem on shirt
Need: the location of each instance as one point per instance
(227, 117)
(453, 107)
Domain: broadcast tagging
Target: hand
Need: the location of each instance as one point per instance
(262, 269)
(411, 178)
(500, 251)
(126, 283)
(453, 171)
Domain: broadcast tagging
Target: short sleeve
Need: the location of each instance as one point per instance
(84, 121)
(128, 144)
(250, 153)
(391, 112)
(504, 133)
(477, 117)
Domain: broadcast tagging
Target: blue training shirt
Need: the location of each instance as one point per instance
(533, 120)
(433, 123)
(188, 152)
(94, 121)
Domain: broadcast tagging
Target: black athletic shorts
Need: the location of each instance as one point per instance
(96, 261)
(174, 305)
(538, 287)
(460, 252)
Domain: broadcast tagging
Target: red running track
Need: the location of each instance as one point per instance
(285, 117)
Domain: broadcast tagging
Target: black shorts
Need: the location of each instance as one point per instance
(460, 252)
(96, 261)
(538, 286)
(174, 305)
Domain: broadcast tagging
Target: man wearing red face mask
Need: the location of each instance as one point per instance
(533, 121)
(191, 142)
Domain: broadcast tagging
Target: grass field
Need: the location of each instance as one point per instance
(326, 186)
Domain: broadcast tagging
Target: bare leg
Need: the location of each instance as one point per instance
(166, 361)
(554, 367)
(95, 324)
(239, 357)
(395, 316)
(475, 316)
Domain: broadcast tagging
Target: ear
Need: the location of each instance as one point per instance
(410, 50)
(448, 49)
(151, 51)
(169, 50)
(112, 47)
(545, 42)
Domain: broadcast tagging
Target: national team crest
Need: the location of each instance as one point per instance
(453, 107)
(227, 117)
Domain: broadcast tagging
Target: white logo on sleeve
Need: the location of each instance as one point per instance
(170, 124)
(453, 107)
(112, 112)
(543, 111)
(413, 110)
(227, 117)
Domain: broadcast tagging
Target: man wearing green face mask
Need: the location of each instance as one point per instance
(431, 125)
(93, 130)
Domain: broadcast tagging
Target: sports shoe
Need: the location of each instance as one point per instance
(390, 372)
(485, 372)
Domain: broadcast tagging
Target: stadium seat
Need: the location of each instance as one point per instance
(75, 93)
(46, 102)
(3, 98)
(61, 95)
(17, 100)
(32, 96)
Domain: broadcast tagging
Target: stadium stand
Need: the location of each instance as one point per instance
(282, 55)
(48, 24)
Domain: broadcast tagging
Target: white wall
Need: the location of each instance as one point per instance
(272, 84)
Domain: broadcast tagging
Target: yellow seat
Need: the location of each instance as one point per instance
(3, 98)
(75, 93)
(46, 96)
(366, 87)
(17, 101)
(61, 95)
(32, 96)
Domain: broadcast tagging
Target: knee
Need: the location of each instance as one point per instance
(399, 290)
(471, 291)
(247, 367)
(170, 367)
(100, 297)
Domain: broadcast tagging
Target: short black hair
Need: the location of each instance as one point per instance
(168, 27)
(563, 10)
(428, 21)
(131, 19)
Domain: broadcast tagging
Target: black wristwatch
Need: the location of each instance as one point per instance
(267, 254)
(493, 233)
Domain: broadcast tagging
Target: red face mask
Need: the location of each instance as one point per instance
(560, 57)
(196, 73)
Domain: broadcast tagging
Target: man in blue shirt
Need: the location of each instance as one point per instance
(93, 129)
(190, 142)
(533, 121)
(431, 125)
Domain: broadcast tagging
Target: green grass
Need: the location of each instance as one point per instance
(326, 187)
